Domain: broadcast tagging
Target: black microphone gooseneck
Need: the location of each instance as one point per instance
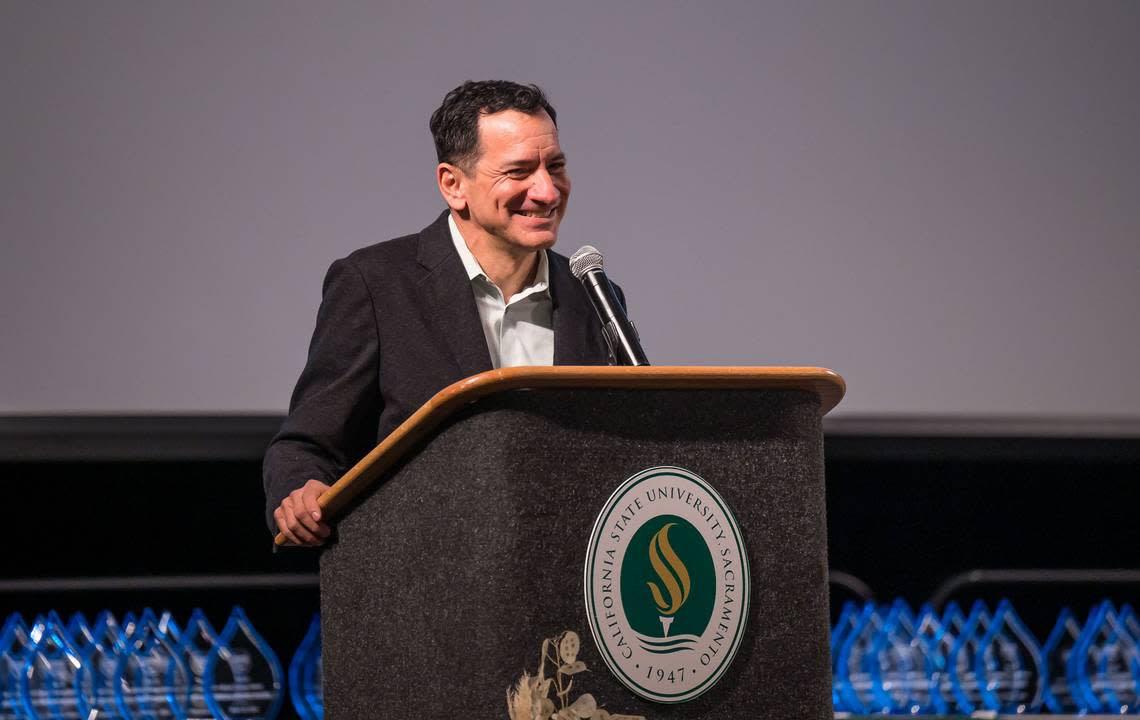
(620, 334)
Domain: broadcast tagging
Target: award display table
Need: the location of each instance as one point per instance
(522, 502)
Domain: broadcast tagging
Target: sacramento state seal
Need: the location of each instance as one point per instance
(666, 582)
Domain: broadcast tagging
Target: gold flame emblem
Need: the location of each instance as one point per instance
(672, 572)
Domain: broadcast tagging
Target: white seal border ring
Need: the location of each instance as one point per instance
(591, 610)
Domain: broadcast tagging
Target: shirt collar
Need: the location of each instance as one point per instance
(475, 270)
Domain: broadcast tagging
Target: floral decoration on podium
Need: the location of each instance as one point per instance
(530, 698)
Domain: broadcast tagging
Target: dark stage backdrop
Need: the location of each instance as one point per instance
(937, 200)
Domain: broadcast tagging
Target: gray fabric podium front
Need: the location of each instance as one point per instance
(448, 570)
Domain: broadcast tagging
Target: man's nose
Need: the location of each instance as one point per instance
(542, 190)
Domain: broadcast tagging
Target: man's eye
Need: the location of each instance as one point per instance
(518, 173)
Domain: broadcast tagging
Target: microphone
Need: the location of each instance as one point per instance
(620, 334)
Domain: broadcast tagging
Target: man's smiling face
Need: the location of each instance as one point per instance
(516, 188)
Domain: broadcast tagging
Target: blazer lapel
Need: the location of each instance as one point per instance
(577, 331)
(447, 291)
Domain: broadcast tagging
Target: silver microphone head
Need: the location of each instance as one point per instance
(587, 258)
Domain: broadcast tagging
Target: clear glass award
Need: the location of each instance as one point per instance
(300, 685)
(960, 666)
(47, 680)
(855, 677)
(243, 677)
(194, 645)
(1008, 665)
(14, 644)
(1058, 694)
(95, 680)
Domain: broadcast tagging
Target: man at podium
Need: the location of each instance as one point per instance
(477, 289)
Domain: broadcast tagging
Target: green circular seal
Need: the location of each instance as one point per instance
(666, 584)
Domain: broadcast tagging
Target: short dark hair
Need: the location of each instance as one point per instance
(455, 124)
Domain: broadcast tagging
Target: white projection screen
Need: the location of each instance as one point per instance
(940, 201)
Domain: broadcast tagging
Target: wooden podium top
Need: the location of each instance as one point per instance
(828, 385)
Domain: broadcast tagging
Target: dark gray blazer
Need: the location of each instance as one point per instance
(398, 323)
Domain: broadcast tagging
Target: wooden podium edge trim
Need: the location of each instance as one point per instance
(827, 384)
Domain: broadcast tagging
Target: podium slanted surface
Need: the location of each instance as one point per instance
(498, 516)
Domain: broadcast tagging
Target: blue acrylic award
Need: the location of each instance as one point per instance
(47, 680)
(151, 680)
(312, 678)
(95, 679)
(932, 633)
(14, 644)
(1127, 617)
(889, 661)
(1011, 676)
(960, 666)
(901, 669)
(79, 632)
(195, 643)
(1118, 691)
(1056, 652)
(178, 681)
(168, 627)
(243, 677)
(126, 630)
(854, 657)
(1102, 664)
(953, 620)
(303, 670)
(848, 619)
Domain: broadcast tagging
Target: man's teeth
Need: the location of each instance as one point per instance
(537, 213)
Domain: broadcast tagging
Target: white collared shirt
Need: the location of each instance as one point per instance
(519, 332)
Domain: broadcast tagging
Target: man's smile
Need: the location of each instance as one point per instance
(542, 214)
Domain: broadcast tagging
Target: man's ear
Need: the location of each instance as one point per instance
(452, 185)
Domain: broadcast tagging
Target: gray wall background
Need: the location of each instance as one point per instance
(939, 201)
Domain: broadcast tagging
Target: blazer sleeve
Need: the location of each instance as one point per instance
(335, 408)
